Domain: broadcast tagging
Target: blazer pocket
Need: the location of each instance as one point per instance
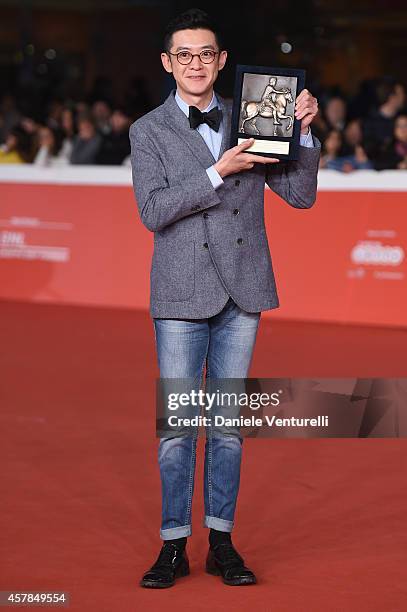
(173, 271)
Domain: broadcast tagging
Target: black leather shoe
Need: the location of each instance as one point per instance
(172, 563)
(224, 560)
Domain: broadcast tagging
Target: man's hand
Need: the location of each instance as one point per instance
(235, 160)
(306, 107)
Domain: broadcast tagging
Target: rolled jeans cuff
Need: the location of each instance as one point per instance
(213, 522)
(175, 532)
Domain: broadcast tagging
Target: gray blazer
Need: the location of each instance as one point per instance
(209, 244)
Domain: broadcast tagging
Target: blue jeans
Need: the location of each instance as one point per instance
(225, 343)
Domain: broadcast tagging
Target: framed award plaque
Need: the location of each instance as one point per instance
(263, 109)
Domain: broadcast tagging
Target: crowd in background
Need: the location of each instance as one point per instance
(366, 131)
(72, 133)
(53, 131)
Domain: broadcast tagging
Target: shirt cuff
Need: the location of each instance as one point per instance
(214, 177)
(306, 139)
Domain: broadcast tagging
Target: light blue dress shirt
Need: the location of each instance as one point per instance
(213, 139)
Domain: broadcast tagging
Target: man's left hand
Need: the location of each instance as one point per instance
(306, 107)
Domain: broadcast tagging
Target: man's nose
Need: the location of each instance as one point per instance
(196, 62)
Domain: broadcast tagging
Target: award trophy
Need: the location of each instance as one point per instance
(263, 109)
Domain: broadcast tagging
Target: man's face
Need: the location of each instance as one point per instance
(100, 110)
(85, 129)
(195, 78)
(335, 110)
(119, 121)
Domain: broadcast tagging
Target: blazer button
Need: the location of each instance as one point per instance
(205, 244)
(240, 241)
(205, 215)
(236, 211)
(237, 182)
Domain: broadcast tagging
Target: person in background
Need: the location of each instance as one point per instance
(81, 108)
(335, 113)
(68, 127)
(54, 113)
(10, 116)
(358, 160)
(115, 146)
(394, 155)
(352, 134)
(330, 148)
(333, 156)
(49, 145)
(18, 147)
(378, 126)
(30, 126)
(101, 113)
(86, 143)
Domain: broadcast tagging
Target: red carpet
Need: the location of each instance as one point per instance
(321, 522)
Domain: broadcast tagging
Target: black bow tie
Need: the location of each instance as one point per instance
(213, 118)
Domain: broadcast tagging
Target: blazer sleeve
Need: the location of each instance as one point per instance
(158, 203)
(296, 181)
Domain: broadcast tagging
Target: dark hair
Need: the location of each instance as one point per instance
(74, 114)
(58, 135)
(385, 88)
(24, 142)
(192, 19)
(123, 109)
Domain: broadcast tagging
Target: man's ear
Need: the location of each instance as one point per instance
(222, 59)
(166, 62)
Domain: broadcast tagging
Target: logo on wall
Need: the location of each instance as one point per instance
(18, 240)
(376, 253)
(377, 258)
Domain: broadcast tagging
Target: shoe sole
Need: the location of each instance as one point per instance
(213, 571)
(155, 585)
(151, 584)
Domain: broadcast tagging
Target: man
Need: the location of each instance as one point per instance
(87, 143)
(211, 273)
(269, 97)
(379, 125)
(115, 145)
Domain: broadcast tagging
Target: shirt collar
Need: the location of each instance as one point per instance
(185, 107)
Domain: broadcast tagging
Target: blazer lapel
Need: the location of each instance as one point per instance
(179, 122)
(226, 123)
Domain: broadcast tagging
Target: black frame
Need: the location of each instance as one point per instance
(294, 140)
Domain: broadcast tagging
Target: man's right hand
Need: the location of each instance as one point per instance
(235, 160)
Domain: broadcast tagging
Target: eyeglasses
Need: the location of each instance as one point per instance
(185, 57)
